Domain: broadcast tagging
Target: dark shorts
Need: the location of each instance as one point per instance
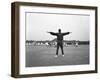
(60, 43)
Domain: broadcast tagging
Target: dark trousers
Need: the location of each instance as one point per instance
(61, 46)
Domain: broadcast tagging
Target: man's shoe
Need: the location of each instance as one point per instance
(63, 55)
(56, 55)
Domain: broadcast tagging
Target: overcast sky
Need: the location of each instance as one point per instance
(37, 25)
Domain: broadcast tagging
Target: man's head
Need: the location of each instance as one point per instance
(59, 30)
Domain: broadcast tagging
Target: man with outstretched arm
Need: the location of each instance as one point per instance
(59, 40)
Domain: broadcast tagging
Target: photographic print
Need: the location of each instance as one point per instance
(57, 39)
(53, 39)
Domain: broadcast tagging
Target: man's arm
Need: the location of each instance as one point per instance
(52, 33)
(66, 33)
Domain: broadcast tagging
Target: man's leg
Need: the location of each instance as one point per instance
(62, 49)
(57, 49)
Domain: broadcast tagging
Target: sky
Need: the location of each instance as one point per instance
(37, 25)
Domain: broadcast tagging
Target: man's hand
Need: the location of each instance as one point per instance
(70, 32)
(48, 32)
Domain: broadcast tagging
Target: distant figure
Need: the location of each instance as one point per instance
(49, 44)
(59, 40)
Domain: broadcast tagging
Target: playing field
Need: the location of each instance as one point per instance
(45, 56)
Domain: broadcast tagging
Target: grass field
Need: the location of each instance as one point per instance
(45, 56)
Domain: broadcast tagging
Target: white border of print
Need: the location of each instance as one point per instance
(53, 69)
